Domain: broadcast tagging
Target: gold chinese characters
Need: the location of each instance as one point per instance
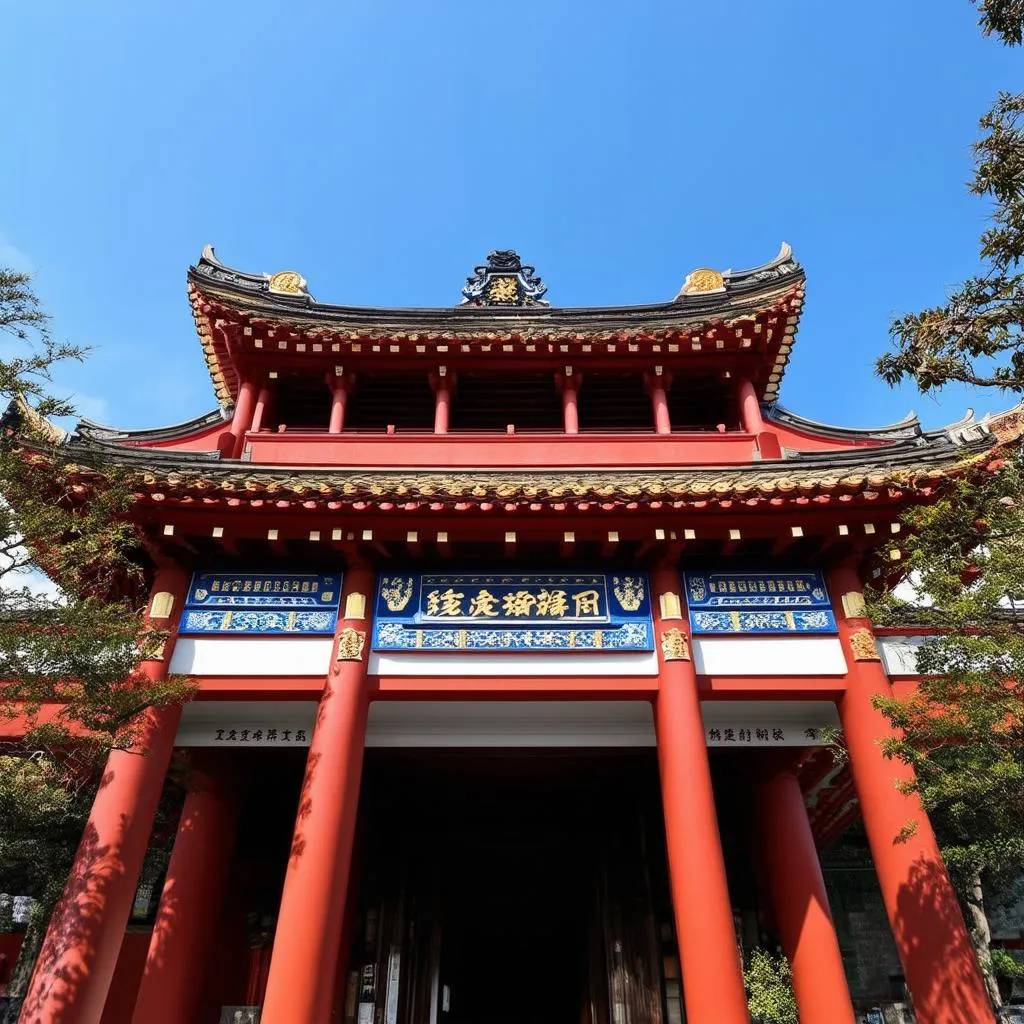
(517, 604)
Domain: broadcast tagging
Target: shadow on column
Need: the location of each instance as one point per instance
(66, 957)
(922, 917)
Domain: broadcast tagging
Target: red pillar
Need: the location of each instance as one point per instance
(308, 935)
(260, 412)
(241, 421)
(750, 408)
(569, 385)
(79, 953)
(442, 403)
(798, 897)
(712, 974)
(339, 397)
(189, 912)
(657, 385)
(935, 949)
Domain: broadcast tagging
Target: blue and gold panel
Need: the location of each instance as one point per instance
(262, 604)
(513, 612)
(758, 602)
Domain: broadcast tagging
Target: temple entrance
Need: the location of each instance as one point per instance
(515, 909)
(496, 887)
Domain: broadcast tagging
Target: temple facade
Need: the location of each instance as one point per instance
(519, 633)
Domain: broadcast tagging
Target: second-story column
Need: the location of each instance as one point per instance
(931, 937)
(708, 952)
(79, 953)
(339, 385)
(308, 936)
(569, 385)
(750, 407)
(241, 420)
(442, 385)
(657, 386)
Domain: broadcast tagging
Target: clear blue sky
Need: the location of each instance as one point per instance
(383, 147)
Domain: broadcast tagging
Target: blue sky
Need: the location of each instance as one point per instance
(383, 148)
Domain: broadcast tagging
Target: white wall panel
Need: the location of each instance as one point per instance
(264, 656)
(769, 656)
(899, 653)
(469, 664)
(483, 724)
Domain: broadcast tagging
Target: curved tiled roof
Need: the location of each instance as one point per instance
(912, 464)
(755, 309)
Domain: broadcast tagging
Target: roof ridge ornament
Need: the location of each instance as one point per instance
(504, 281)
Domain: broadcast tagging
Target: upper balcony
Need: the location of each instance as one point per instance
(421, 449)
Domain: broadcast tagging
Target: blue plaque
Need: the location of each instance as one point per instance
(262, 604)
(758, 602)
(513, 612)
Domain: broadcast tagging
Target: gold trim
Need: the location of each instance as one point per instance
(674, 645)
(287, 282)
(350, 644)
(702, 281)
(863, 646)
(355, 606)
(671, 606)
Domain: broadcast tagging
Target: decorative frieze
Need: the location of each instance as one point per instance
(506, 612)
(674, 645)
(863, 646)
(350, 644)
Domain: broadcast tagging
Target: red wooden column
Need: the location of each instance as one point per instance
(935, 949)
(79, 953)
(241, 421)
(442, 399)
(308, 936)
(260, 410)
(189, 912)
(657, 385)
(750, 408)
(569, 385)
(339, 385)
(797, 888)
(712, 974)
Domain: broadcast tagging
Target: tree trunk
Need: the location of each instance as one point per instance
(34, 935)
(981, 934)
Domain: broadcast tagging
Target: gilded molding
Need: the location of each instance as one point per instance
(854, 606)
(287, 282)
(863, 646)
(355, 606)
(162, 605)
(350, 644)
(703, 281)
(674, 645)
(671, 606)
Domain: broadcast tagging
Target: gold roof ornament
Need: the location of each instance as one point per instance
(287, 282)
(703, 281)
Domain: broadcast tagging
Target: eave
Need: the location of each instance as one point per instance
(753, 316)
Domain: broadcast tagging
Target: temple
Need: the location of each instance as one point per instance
(519, 634)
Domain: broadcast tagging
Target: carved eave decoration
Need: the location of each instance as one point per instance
(504, 281)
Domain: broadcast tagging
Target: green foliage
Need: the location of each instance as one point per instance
(769, 983)
(963, 729)
(1004, 18)
(975, 336)
(70, 657)
(1005, 964)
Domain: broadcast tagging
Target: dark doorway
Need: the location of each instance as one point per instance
(509, 886)
(516, 907)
